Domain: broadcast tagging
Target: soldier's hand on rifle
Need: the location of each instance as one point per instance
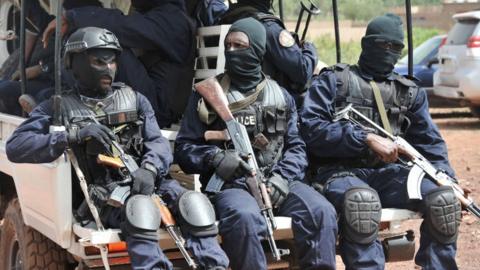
(385, 149)
(230, 165)
(94, 131)
(50, 29)
(278, 189)
(143, 182)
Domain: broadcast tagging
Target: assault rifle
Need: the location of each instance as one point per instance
(419, 165)
(126, 161)
(212, 92)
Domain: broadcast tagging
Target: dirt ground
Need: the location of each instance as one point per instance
(461, 131)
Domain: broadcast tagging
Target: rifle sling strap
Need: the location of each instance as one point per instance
(381, 107)
(248, 100)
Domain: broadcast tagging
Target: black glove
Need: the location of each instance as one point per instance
(230, 165)
(278, 189)
(143, 182)
(98, 132)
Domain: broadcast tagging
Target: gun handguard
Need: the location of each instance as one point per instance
(114, 162)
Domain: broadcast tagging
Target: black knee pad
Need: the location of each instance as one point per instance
(443, 214)
(196, 213)
(142, 218)
(362, 212)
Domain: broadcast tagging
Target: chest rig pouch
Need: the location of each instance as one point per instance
(398, 96)
(117, 111)
(263, 112)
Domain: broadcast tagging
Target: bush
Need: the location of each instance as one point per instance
(350, 51)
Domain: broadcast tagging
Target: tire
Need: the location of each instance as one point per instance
(7, 23)
(23, 248)
(475, 110)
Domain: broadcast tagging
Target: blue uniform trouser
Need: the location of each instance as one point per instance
(147, 254)
(242, 227)
(390, 184)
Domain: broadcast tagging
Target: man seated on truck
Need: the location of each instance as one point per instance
(360, 170)
(268, 112)
(97, 112)
(158, 40)
(38, 69)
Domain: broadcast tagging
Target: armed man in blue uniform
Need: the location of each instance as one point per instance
(158, 40)
(269, 115)
(360, 170)
(98, 114)
(292, 65)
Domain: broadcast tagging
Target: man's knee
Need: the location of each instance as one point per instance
(361, 215)
(197, 215)
(316, 207)
(238, 211)
(442, 214)
(142, 218)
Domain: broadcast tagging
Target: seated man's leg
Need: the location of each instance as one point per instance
(203, 244)
(351, 196)
(241, 227)
(441, 211)
(142, 220)
(314, 226)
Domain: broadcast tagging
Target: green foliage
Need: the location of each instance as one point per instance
(350, 51)
(357, 10)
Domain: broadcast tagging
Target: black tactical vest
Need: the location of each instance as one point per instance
(266, 122)
(398, 97)
(118, 111)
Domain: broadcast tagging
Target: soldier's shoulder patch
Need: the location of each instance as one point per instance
(286, 39)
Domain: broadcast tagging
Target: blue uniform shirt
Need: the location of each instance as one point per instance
(296, 63)
(342, 139)
(31, 142)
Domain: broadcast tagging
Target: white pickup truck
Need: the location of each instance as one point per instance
(39, 230)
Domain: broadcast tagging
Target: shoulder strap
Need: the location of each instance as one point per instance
(381, 107)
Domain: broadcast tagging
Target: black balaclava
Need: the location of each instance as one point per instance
(376, 61)
(244, 66)
(88, 76)
(261, 5)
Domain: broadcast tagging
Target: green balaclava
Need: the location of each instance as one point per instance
(377, 61)
(244, 66)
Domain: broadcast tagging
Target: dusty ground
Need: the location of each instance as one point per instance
(462, 134)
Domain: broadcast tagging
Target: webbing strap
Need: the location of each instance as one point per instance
(247, 101)
(381, 107)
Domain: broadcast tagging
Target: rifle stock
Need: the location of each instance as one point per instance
(211, 90)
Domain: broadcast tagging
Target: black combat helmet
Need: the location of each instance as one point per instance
(90, 38)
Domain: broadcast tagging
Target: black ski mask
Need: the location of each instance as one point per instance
(381, 46)
(92, 70)
(244, 66)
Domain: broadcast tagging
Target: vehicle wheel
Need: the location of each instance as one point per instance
(475, 110)
(23, 248)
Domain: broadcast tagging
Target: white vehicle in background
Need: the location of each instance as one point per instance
(458, 75)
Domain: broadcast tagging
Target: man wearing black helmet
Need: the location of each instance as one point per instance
(360, 170)
(98, 114)
(158, 40)
(292, 65)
